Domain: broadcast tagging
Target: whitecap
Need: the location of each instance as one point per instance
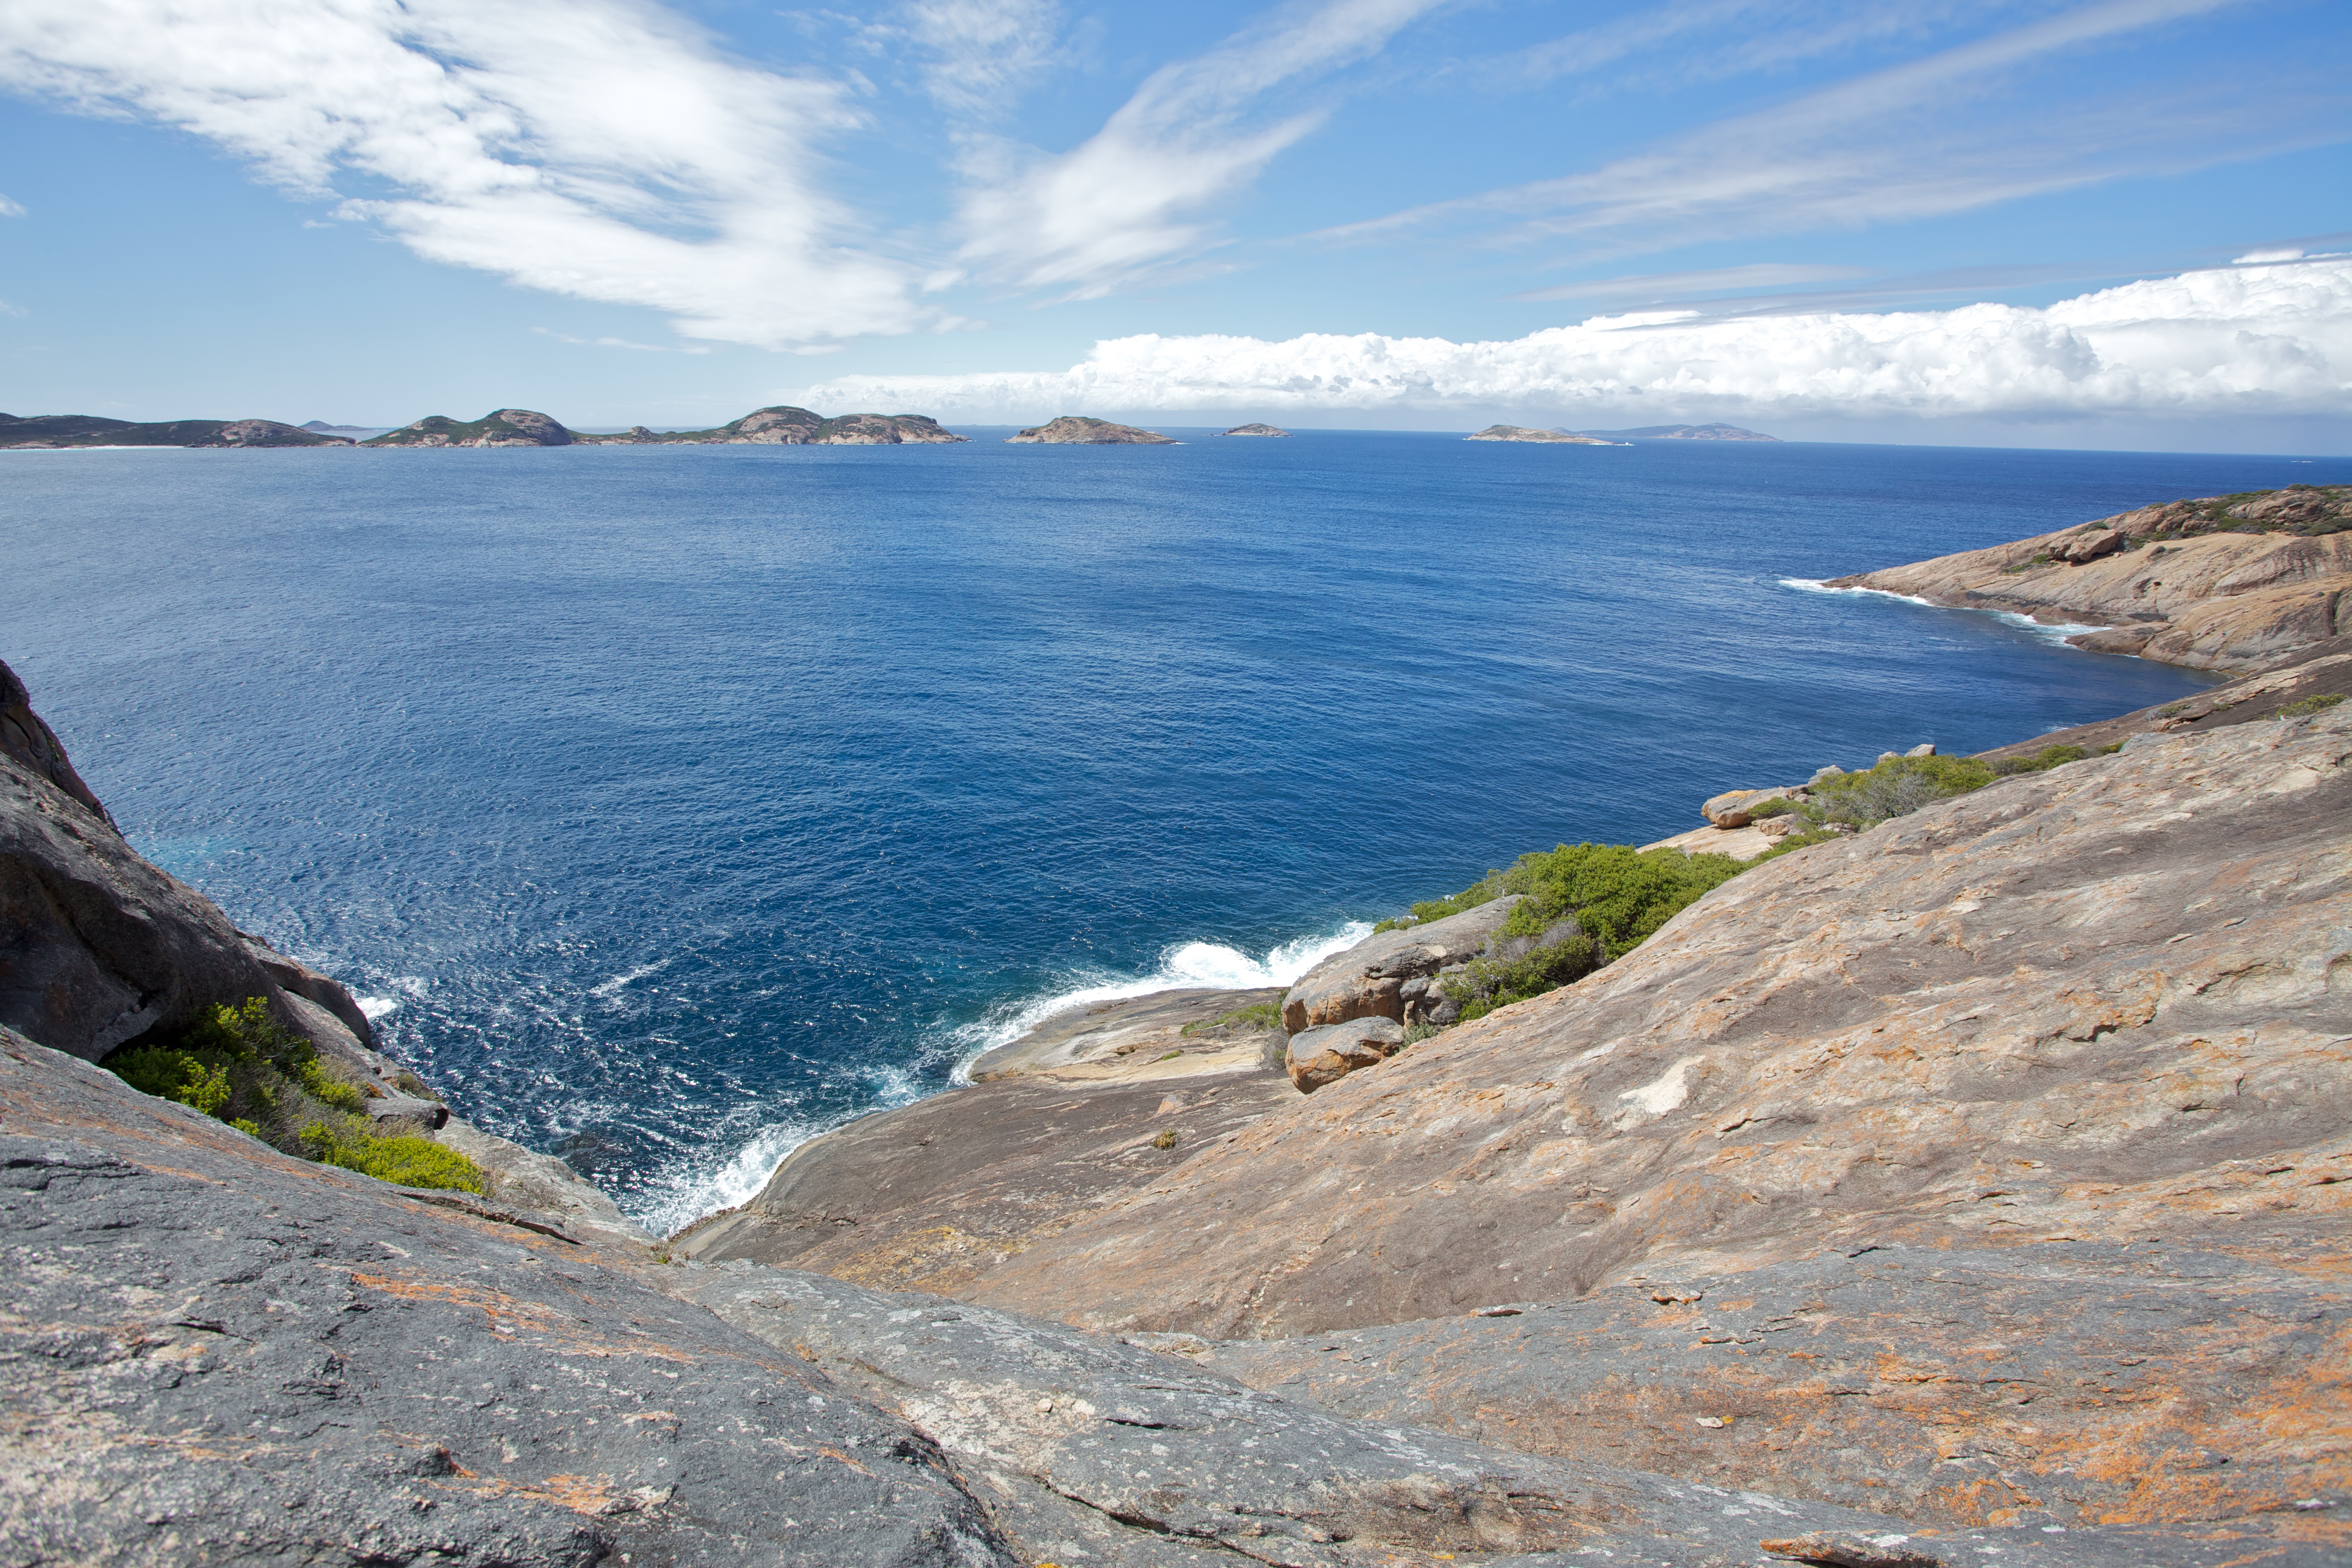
(610, 987)
(720, 1178)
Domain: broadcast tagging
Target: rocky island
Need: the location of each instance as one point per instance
(1683, 433)
(1522, 433)
(785, 426)
(1959, 1181)
(1079, 430)
(61, 430)
(1257, 430)
(2225, 583)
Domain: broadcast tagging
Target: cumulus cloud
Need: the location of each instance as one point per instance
(602, 149)
(1129, 200)
(2263, 340)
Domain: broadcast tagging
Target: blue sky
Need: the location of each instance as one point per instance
(2014, 222)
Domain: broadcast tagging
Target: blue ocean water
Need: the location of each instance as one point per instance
(669, 805)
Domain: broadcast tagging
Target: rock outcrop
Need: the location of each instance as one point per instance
(1079, 430)
(502, 428)
(1521, 433)
(1257, 430)
(1368, 980)
(785, 426)
(1329, 1052)
(2230, 583)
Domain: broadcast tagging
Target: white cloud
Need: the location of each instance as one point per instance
(2269, 340)
(602, 149)
(10, 209)
(983, 52)
(1129, 201)
(1668, 285)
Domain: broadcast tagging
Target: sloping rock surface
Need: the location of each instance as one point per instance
(1080, 431)
(2210, 600)
(213, 1353)
(2092, 1003)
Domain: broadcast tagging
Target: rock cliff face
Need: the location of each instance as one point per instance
(1079, 430)
(2230, 582)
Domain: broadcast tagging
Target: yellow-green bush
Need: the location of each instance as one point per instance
(404, 1160)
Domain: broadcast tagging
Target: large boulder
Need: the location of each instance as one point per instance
(1332, 1052)
(1737, 807)
(1368, 980)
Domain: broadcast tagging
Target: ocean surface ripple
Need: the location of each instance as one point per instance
(669, 805)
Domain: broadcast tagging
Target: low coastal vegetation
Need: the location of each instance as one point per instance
(1587, 905)
(241, 1066)
(1256, 1018)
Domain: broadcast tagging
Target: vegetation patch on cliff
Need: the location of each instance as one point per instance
(241, 1066)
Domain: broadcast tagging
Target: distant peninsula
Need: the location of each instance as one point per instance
(1682, 432)
(1257, 430)
(1521, 433)
(1079, 430)
(61, 430)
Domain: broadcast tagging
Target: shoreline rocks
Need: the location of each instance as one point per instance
(2229, 583)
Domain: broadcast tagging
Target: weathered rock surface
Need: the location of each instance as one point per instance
(939, 1194)
(214, 1353)
(1094, 1450)
(1165, 1035)
(1079, 430)
(1522, 433)
(2096, 1004)
(1740, 843)
(1736, 808)
(2319, 675)
(1368, 980)
(1329, 1052)
(2058, 1384)
(2210, 600)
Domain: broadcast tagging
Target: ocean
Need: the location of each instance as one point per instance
(667, 805)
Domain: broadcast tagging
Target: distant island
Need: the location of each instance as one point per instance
(1521, 433)
(1681, 433)
(1079, 430)
(320, 427)
(61, 430)
(1257, 430)
(781, 425)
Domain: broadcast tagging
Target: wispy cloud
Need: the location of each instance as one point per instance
(1135, 196)
(2262, 339)
(625, 343)
(1949, 132)
(1660, 286)
(10, 209)
(601, 148)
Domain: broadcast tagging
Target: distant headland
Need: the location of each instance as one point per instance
(1682, 432)
(1257, 430)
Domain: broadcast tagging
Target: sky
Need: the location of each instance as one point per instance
(2125, 223)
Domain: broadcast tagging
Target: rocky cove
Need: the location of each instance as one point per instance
(1954, 1189)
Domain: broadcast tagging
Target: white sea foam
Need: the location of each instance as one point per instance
(1189, 963)
(614, 985)
(2048, 631)
(730, 1176)
(406, 985)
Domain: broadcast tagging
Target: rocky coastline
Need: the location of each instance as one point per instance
(1961, 1185)
(2224, 583)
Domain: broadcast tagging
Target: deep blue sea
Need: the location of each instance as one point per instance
(669, 805)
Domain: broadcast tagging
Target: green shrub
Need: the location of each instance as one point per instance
(2315, 704)
(1487, 983)
(404, 1160)
(1779, 806)
(1897, 786)
(2043, 760)
(1619, 895)
(242, 1065)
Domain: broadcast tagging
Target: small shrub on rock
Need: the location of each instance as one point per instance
(404, 1160)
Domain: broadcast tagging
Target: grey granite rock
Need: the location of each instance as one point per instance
(1329, 1052)
(212, 1352)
